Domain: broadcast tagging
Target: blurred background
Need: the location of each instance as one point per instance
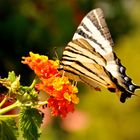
(42, 25)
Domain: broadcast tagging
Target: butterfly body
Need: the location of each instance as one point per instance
(89, 57)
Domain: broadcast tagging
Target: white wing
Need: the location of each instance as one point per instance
(94, 30)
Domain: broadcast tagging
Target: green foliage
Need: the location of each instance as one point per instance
(23, 93)
(12, 82)
(27, 94)
(6, 131)
(11, 76)
(29, 118)
(29, 121)
(13, 124)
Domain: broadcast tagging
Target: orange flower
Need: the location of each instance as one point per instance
(41, 65)
(62, 94)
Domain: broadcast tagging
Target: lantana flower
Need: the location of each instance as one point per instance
(62, 94)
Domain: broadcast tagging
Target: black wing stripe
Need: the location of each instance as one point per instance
(73, 48)
(83, 66)
(86, 36)
(81, 44)
(98, 20)
(85, 27)
(65, 56)
(77, 53)
(80, 73)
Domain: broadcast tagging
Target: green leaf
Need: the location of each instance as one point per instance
(27, 95)
(11, 76)
(13, 125)
(12, 82)
(29, 122)
(6, 131)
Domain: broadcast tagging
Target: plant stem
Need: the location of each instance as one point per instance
(33, 83)
(10, 107)
(3, 101)
(9, 116)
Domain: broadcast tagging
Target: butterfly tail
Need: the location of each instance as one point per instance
(125, 94)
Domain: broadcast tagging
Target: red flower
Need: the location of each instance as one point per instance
(60, 107)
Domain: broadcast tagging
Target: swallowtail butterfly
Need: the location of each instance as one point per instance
(89, 58)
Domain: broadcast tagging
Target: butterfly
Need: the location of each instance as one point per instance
(89, 58)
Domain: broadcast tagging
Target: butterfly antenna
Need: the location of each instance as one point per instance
(56, 54)
(57, 57)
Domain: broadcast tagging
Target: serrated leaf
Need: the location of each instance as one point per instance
(6, 132)
(29, 122)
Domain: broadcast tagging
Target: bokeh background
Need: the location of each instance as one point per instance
(42, 25)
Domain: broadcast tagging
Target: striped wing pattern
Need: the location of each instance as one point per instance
(89, 57)
(80, 59)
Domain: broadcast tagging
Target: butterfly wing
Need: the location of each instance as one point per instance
(82, 63)
(94, 31)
